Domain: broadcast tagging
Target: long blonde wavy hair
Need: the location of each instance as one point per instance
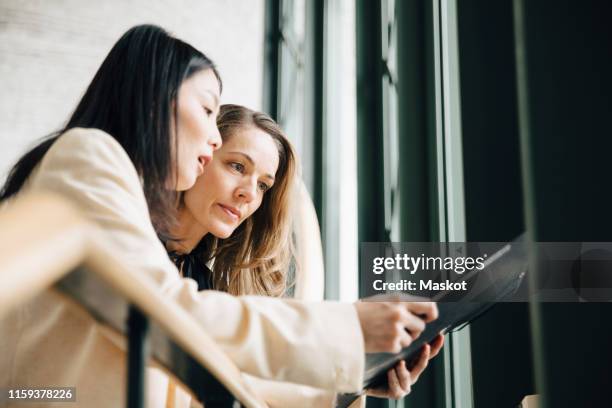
(255, 259)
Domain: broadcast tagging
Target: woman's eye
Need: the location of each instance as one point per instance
(264, 187)
(208, 111)
(239, 167)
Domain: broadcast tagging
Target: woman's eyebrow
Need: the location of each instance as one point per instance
(250, 160)
(214, 95)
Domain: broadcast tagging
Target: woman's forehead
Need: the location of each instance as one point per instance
(257, 144)
(204, 82)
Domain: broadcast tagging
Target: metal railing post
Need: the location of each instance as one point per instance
(138, 350)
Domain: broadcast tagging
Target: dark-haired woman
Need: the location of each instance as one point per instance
(144, 130)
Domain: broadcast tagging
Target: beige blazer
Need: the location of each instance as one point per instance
(47, 342)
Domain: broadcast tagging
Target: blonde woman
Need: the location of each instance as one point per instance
(237, 217)
(239, 211)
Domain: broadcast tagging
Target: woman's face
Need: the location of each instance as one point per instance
(198, 136)
(233, 185)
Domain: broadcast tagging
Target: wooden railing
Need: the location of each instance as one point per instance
(46, 244)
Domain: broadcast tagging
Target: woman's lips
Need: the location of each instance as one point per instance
(231, 212)
(202, 162)
(205, 159)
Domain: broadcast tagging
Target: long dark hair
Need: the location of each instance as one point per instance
(133, 98)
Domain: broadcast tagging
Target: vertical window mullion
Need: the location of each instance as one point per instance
(459, 352)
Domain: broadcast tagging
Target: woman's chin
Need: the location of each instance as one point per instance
(185, 181)
(222, 232)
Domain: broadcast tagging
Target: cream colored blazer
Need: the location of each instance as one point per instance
(47, 342)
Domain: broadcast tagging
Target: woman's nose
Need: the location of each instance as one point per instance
(246, 191)
(215, 140)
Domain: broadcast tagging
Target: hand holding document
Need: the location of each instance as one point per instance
(390, 324)
(401, 377)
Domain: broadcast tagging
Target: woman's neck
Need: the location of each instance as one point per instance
(188, 232)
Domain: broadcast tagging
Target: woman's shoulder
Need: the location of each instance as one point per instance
(90, 168)
(89, 140)
(90, 149)
(90, 158)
